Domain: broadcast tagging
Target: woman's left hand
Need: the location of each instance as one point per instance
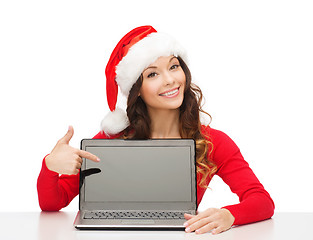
(213, 219)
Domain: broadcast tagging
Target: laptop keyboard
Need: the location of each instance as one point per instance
(133, 215)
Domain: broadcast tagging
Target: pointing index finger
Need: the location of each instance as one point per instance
(88, 155)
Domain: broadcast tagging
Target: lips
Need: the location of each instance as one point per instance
(170, 92)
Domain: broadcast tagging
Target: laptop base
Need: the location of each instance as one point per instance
(129, 224)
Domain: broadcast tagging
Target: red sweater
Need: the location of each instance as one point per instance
(56, 192)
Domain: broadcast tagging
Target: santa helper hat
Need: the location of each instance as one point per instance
(133, 53)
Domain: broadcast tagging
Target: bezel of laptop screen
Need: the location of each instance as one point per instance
(126, 205)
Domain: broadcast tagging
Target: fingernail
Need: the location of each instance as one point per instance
(198, 231)
(185, 224)
(187, 230)
(98, 159)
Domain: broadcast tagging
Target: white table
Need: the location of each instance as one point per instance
(59, 225)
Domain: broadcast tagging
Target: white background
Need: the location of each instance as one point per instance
(252, 59)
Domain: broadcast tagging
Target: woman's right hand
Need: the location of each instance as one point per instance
(65, 159)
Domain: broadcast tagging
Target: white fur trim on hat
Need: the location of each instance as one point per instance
(115, 122)
(142, 54)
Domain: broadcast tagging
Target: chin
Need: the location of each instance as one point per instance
(175, 105)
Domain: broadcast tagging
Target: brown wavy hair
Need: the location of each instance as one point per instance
(189, 122)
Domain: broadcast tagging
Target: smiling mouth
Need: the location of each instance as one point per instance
(170, 93)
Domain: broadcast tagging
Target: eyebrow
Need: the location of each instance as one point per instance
(157, 67)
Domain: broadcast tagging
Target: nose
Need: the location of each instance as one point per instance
(168, 78)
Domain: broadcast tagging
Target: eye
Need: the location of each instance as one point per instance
(175, 66)
(153, 74)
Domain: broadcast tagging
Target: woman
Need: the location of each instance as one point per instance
(150, 69)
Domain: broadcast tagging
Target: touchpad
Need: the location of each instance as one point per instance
(136, 222)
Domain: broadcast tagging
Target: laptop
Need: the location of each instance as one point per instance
(138, 184)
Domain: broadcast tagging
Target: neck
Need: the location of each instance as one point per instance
(164, 123)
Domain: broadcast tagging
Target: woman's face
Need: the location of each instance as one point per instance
(163, 84)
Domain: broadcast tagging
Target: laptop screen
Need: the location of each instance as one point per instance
(139, 171)
(148, 174)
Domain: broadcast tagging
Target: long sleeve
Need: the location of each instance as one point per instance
(57, 191)
(255, 202)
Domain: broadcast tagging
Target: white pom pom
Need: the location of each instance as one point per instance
(115, 122)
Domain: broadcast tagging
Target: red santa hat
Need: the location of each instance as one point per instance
(133, 53)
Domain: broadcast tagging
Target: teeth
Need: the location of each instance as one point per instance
(170, 93)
